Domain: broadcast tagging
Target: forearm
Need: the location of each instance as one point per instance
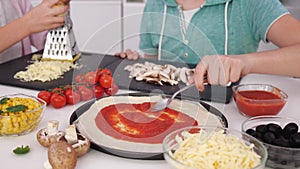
(284, 61)
(13, 32)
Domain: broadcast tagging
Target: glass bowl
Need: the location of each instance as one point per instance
(259, 99)
(191, 157)
(280, 153)
(20, 114)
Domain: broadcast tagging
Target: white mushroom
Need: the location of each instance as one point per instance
(78, 141)
(49, 135)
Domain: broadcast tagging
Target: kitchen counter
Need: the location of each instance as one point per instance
(94, 159)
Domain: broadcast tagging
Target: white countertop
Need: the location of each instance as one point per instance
(95, 159)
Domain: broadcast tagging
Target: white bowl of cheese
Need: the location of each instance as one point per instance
(203, 147)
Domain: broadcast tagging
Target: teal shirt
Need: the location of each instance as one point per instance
(248, 23)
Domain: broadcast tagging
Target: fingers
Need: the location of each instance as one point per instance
(224, 73)
(123, 55)
(56, 25)
(57, 11)
(50, 3)
(220, 70)
(132, 55)
(129, 53)
(235, 73)
(200, 72)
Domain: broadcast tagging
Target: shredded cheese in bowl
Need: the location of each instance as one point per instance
(214, 150)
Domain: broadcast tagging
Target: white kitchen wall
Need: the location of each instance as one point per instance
(131, 21)
(97, 25)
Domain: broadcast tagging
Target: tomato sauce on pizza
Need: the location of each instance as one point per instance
(135, 123)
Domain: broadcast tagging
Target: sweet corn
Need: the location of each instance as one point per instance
(22, 121)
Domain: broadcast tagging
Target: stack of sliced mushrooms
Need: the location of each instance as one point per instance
(159, 74)
(63, 147)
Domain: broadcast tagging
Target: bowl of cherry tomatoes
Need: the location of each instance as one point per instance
(86, 86)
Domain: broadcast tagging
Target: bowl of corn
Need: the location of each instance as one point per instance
(20, 114)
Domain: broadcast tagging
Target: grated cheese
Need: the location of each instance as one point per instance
(44, 71)
(216, 151)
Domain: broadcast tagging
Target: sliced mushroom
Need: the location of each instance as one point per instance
(128, 68)
(155, 73)
(151, 73)
(78, 141)
(183, 76)
(49, 135)
(61, 155)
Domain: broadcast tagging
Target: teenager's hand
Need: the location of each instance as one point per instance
(45, 16)
(130, 54)
(220, 70)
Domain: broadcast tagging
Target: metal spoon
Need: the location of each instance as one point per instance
(160, 105)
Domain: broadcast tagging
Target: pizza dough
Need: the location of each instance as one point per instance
(87, 126)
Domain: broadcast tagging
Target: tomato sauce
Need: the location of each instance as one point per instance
(269, 104)
(133, 122)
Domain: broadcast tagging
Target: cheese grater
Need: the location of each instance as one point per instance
(61, 44)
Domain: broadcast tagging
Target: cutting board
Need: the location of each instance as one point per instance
(90, 61)
(211, 93)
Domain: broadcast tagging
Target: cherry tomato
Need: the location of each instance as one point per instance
(68, 87)
(58, 90)
(91, 77)
(106, 81)
(78, 87)
(112, 90)
(53, 94)
(79, 79)
(98, 91)
(85, 93)
(45, 95)
(58, 100)
(72, 96)
(104, 71)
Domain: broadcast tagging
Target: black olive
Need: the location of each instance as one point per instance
(250, 131)
(268, 137)
(295, 140)
(275, 128)
(290, 129)
(283, 162)
(256, 135)
(281, 141)
(262, 129)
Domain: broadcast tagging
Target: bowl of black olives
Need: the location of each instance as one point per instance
(280, 136)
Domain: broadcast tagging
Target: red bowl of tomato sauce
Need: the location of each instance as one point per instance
(259, 99)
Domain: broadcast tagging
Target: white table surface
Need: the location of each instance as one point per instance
(95, 159)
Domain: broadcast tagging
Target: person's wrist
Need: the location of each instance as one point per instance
(248, 63)
(27, 25)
